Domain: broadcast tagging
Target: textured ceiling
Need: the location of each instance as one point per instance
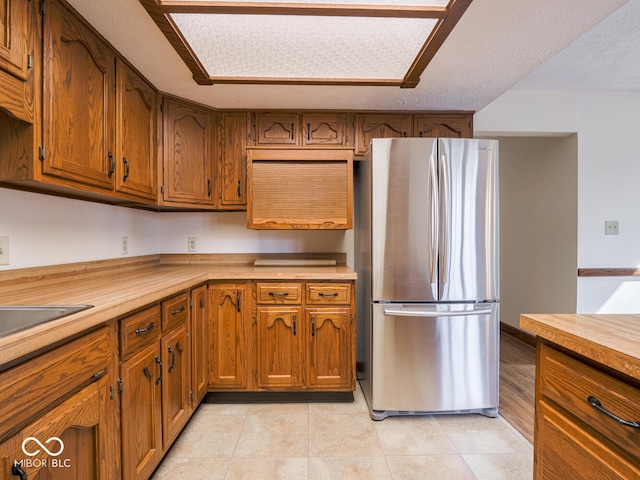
(494, 46)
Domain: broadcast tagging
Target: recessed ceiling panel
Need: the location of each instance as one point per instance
(304, 47)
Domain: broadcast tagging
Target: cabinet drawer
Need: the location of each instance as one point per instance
(328, 293)
(569, 383)
(279, 293)
(175, 311)
(32, 387)
(139, 330)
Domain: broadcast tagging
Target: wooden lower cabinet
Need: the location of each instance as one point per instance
(574, 439)
(69, 441)
(229, 310)
(141, 413)
(286, 336)
(156, 391)
(280, 347)
(199, 345)
(328, 354)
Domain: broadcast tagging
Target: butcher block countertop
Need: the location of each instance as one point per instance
(119, 287)
(611, 340)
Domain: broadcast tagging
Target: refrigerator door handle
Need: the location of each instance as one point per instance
(445, 201)
(421, 313)
(434, 220)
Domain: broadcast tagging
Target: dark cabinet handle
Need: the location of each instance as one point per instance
(322, 294)
(140, 331)
(16, 469)
(208, 187)
(294, 324)
(159, 362)
(595, 403)
(313, 326)
(126, 169)
(293, 134)
(404, 134)
(112, 168)
(239, 298)
(308, 131)
(239, 189)
(279, 294)
(173, 359)
(179, 310)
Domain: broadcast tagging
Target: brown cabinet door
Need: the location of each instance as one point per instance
(445, 126)
(277, 129)
(141, 412)
(78, 103)
(199, 344)
(232, 157)
(13, 37)
(187, 153)
(75, 432)
(228, 352)
(279, 352)
(136, 155)
(369, 125)
(324, 129)
(176, 382)
(329, 353)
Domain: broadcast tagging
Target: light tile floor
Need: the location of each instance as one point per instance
(322, 441)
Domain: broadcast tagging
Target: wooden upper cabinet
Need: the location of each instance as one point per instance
(373, 125)
(300, 188)
(232, 160)
(277, 128)
(188, 152)
(455, 125)
(325, 129)
(13, 37)
(78, 103)
(136, 153)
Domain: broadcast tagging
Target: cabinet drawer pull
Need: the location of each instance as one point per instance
(313, 326)
(294, 325)
(159, 362)
(293, 134)
(308, 131)
(179, 310)
(239, 297)
(239, 189)
(140, 331)
(595, 403)
(322, 294)
(208, 187)
(173, 359)
(126, 169)
(16, 470)
(279, 294)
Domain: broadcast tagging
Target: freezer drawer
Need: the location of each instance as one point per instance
(434, 358)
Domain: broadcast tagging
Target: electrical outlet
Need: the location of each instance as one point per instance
(611, 227)
(125, 245)
(4, 250)
(192, 244)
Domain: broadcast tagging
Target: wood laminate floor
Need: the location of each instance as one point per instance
(517, 383)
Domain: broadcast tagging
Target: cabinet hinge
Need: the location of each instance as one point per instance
(191, 397)
(111, 392)
(29, 61)
(162, 189)
(352, 318)
(354, 123)
(42, 8)
(191, 302)
(42, 152)
(120, 386)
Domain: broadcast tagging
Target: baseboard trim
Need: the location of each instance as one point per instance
(519, 334)
(277, 397)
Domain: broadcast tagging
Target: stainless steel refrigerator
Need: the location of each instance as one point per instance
(426, 254)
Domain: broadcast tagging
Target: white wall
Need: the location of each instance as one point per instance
(48, 230)
(608, 172)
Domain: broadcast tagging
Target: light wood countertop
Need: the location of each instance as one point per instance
(119, 288)
(611, 340)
